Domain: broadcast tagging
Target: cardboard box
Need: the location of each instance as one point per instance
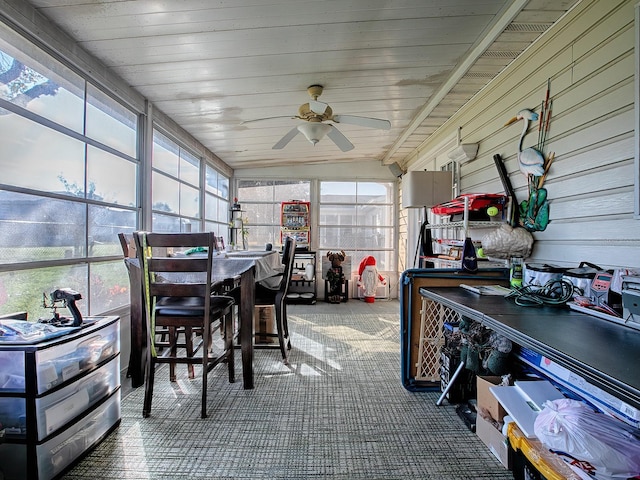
(264, 322)
(486, 400)
(494, 440)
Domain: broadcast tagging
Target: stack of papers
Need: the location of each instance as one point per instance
(22, 331)
(487, 289)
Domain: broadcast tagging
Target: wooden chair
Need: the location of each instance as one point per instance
(220, 243)
(179, 299)
(125, 241)
(136, 366)
(277, 297)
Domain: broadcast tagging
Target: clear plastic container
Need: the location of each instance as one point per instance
(12, 371)
(58, 408)
(68, 360)
(59, 452)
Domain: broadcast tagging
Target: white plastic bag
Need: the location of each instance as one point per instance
(602, 446)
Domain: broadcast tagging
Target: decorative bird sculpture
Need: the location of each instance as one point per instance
(530, 160)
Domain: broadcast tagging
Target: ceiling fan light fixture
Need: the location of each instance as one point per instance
(314, 131)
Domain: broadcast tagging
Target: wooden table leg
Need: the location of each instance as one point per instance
(247, 302)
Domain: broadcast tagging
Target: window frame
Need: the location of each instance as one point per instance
(636, 207)
(355, 253)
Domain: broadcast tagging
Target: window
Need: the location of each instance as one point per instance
(69, 184)
(359, 218)
(175, 187)
(260, 201)
(216, 201)
(636, 208)
(179, 204)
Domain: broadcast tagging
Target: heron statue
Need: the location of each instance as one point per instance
(530, 160)
(534, 212)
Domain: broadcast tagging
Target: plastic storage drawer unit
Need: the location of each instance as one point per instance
(58, 398)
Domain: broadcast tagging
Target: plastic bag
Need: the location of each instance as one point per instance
(600, 445)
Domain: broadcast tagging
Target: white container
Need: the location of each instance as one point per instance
(539, 274)
(308, 272)
(581, 278)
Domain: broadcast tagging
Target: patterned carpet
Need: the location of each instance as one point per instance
(338, 411)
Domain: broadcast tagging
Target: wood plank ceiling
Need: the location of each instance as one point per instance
(211, 65)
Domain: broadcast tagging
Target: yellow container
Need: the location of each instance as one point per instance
(548, 464)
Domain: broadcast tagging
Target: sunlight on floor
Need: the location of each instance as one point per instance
(135, 465)
(316, 350)
(361, 341)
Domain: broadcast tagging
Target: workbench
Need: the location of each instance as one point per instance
(602, 353)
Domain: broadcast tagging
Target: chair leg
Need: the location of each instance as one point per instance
(188, 342)
(228, 344)
(206, 333)
(148, 387)
(285, 324)
(280, 330)
(205, 371)
(173, 352)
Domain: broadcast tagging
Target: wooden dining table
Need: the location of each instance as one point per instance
(244, 266)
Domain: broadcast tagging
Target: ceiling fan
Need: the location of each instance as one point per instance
(316, 113)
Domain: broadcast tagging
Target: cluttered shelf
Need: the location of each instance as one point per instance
(303, 287)
(604, 354)
(554, 387)
(461, 224)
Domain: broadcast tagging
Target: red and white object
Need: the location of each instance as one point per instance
(369, 278)
(477, 202)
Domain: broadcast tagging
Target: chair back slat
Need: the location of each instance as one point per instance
(178, 289)
(179, 240)
(290, 248)
(179, 264)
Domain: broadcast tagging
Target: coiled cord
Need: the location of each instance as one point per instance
(554, 292)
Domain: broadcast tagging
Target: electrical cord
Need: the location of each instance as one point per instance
(554, 292)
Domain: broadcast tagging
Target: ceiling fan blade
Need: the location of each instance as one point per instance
(286, 139)
(267, 118)
(318, 107)
(339, 139)
(363, 121)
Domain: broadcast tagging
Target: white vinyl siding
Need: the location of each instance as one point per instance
(589, 57)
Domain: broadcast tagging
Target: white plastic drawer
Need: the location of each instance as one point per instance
(59, 452)
(56, 409)
(68, 360)
(12, 371)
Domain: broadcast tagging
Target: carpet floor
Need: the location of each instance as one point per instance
(338, 410)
